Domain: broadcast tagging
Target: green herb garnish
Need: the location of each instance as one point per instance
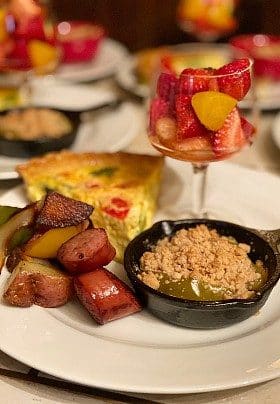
(106, 171)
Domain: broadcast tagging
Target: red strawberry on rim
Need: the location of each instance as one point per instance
(237, 79)
(193, 81)
(166, 86)
(230, 138)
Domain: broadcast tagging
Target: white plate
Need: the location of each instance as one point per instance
(105, 64)
(109, 131)
(276, 130)
(52, 93)
(141, 353)
(267, 95)
(127, 78)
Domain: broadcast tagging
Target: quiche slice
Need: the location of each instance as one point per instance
(122, 187)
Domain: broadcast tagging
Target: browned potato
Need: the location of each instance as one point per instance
(14, 258)
(59, 211)
(47, 244)
(38, 282)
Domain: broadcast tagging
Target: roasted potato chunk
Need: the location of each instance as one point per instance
(46, 245)
(60, 211)
(37, 282)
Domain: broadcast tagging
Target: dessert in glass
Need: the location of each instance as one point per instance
(195, 117)
(207, 20)
(27, 48)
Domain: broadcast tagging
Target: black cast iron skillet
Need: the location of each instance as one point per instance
(265, 245)
(31, 148)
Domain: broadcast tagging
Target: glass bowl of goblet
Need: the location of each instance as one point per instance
(196, 117)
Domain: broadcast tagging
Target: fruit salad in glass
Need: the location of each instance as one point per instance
(207, 19)
(196, 118)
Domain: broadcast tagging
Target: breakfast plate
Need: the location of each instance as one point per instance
(105, 64)
(109, 131)
(53, 93)
(141, 353)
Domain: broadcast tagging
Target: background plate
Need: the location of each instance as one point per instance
(141, 353)
(105, 64)
(108, 131)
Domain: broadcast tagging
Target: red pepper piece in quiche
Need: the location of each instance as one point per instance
(117, 208)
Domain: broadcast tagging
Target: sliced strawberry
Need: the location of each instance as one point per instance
(159, 108)
(195, 80)
(32, 28)
(238, 80)
(230, 138)
(187, 121)
(248, 129)
(166, 88)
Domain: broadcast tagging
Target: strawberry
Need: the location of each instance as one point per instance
(248, 129)
(195, 80)
(166, 86)
(187, 121)
(230, 138)
(158, 109)
(238, 81)
(20, 54)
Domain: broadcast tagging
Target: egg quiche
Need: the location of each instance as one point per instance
(122, 187)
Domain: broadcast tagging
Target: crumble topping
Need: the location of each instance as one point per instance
(201, 253)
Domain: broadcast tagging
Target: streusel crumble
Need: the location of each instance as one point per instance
(200, 264)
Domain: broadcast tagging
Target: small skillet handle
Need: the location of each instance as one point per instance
(272, 237)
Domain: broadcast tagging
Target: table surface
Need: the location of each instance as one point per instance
(28, 386)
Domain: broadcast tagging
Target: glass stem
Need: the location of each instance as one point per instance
(199, 190)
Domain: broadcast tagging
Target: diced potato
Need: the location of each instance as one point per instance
(47, 244)
(38, 282)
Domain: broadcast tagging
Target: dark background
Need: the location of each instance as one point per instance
(144, 23)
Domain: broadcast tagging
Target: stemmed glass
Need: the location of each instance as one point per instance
(196, 117)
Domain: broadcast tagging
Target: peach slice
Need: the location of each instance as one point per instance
(212, 108)
(43, 56)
